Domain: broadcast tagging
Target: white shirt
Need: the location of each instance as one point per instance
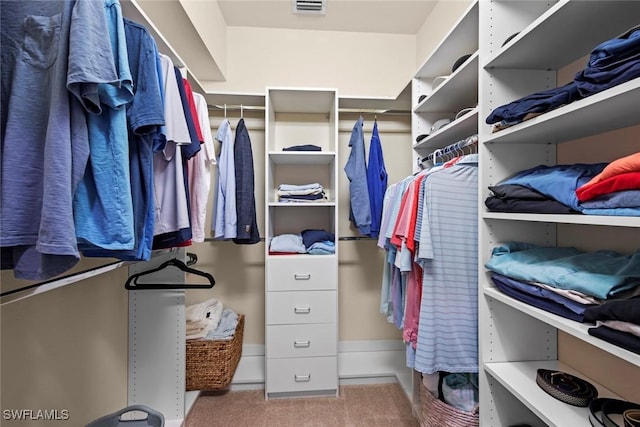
(200, 172)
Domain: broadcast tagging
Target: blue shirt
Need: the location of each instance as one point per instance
(103, 208)
(376, 180)
(58, 52)
(602, 274)
(145, 116)
(356, 170)
(611, 63)
(558, 182)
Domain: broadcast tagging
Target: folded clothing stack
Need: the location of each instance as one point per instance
(290, 193)
(611, 63)
(309, 241)
(203, 317)
(319, 242)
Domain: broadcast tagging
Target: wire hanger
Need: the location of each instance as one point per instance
(132, 285)
(225, 111)
(241, 111)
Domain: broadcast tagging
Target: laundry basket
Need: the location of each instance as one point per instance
(152, 418)
(212, 363)
(436, 413)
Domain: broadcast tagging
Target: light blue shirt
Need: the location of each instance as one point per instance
(602, 274)
(103, 206)
(226, 217)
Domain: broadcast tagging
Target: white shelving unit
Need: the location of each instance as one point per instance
(458, 91)
(516, 339)
(301, 292)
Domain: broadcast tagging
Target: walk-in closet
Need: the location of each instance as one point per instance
(328, 213)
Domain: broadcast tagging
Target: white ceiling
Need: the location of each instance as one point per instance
(371, 16)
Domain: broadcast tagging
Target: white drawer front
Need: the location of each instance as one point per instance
(301, 274)
(301, 307)
(304, 374)
(302, 340)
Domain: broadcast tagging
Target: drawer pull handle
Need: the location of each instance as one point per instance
(302, 378)
(302, 276)
(302, 310)
(302, 344)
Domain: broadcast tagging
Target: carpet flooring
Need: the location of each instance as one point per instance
(357, 405)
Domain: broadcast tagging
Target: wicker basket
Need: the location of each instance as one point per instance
(436, 413)
(212, 363)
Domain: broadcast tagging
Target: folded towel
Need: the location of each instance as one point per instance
(201, 324)
(227, 326)
(209, 309)
(202, 318)
(200, 330)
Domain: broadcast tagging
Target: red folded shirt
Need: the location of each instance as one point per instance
(624, 181)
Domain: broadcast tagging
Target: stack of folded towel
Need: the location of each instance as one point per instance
(203, 318)
(290, 193)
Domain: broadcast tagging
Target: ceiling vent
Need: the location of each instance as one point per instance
(310, 7)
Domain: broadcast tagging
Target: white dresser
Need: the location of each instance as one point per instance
(301, 343)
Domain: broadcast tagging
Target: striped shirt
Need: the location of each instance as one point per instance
(448, 248)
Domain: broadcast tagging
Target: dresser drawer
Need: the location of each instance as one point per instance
(291, 273)
(301, 307)
(302, 340)
(303, 374)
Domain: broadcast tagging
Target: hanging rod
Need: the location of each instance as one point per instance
(262, 239)
(59, 282)
(21, 293)
(240, 107)
(451, 148)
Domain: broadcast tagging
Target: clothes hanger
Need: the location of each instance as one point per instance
(132, 285)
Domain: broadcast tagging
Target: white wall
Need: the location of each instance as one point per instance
(208, 21)
(437, 25)
(357, 64)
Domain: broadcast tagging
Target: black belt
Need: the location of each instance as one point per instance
(606, 407)
(566, 387)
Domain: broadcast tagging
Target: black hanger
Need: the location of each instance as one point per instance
(175, 263)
